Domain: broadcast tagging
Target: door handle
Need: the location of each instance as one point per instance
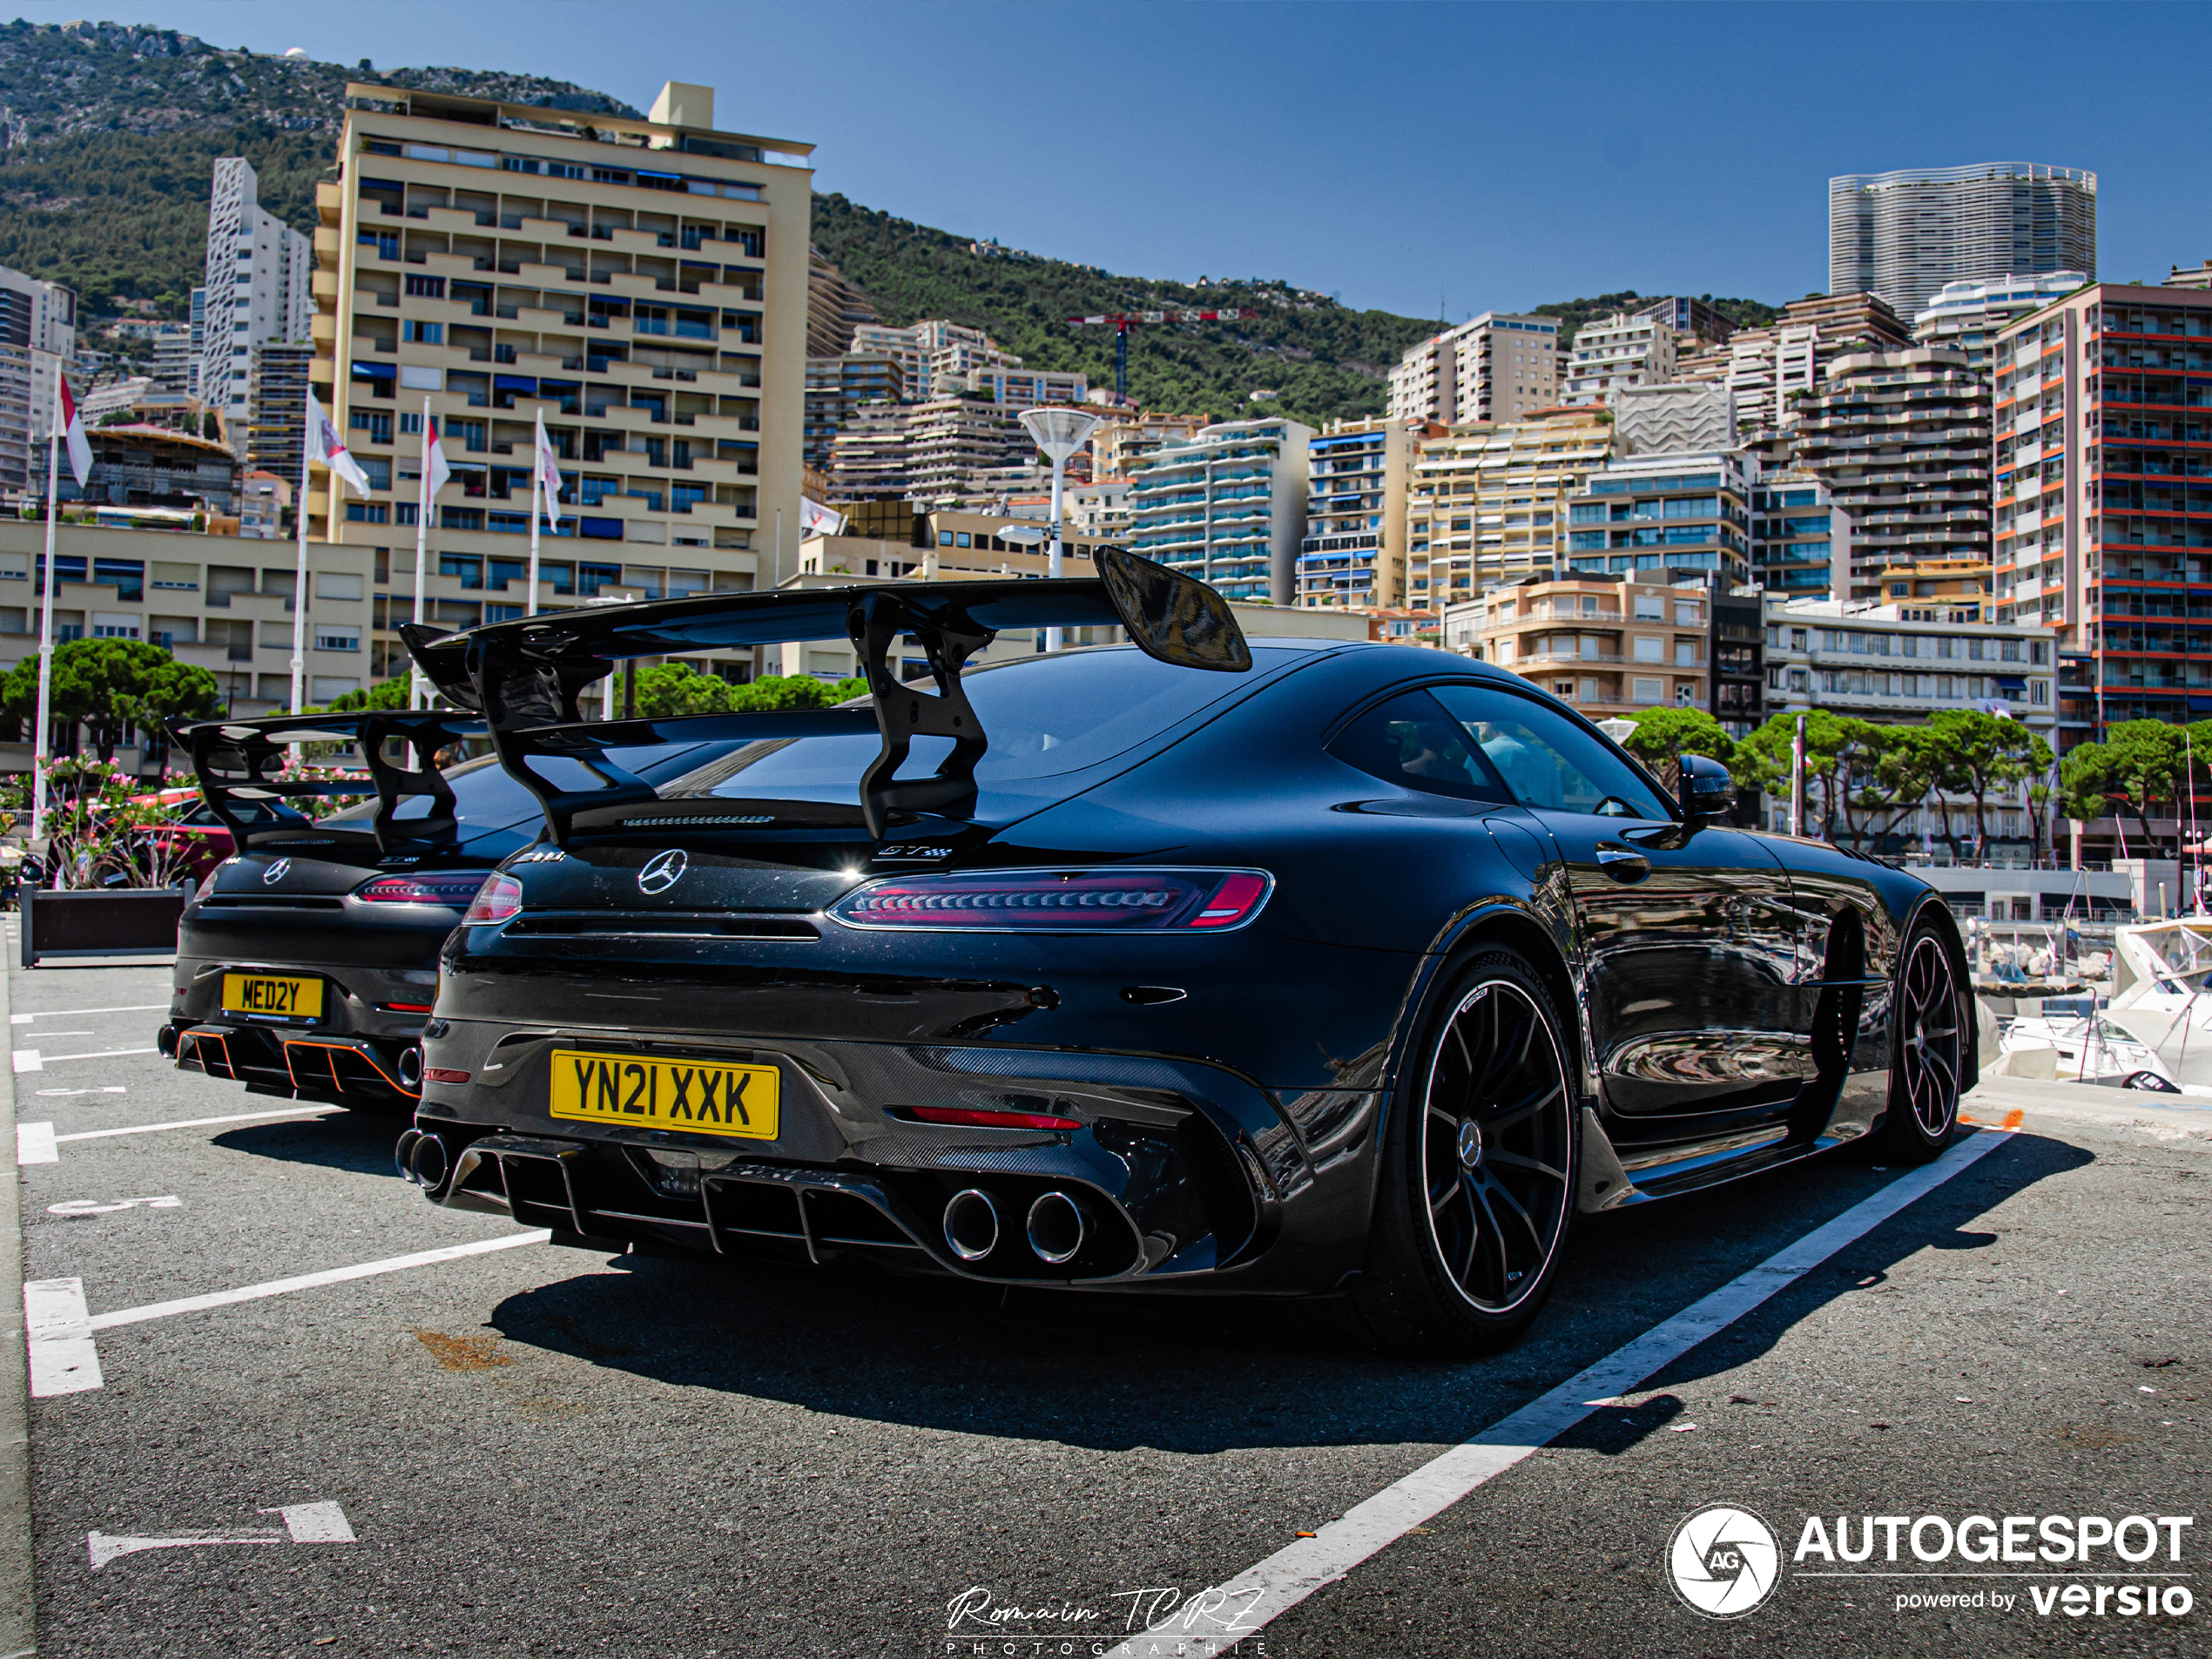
(1621, 864)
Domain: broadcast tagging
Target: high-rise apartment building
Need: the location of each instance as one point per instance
(1799, 542)
(641, 284)
(1765, 367)
(173, 368)
(834, 308)
(1487, 504)
(1664, 419)
(1622, 350)
(1354, 549)
(1665, 518)
(836, 389)
(278, 401)
(1228, 506)
(2101, 421)
(1900, 438)
(1493, 367)
(1967, 316)
(197, 331)
(1116, 447)
(38, 335)
(1618, 647)
(259, 291)
(1905, 235)
(958, 450)
(1685, 315)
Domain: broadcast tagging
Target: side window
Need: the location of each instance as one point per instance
(1547, 761)
(1412, 742)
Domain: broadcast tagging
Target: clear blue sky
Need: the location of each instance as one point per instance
(1492, 155)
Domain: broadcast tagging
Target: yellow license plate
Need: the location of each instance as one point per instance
(698, 1095)
(272, 996)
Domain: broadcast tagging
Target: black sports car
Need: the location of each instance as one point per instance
(1295, 966)
(307, 961)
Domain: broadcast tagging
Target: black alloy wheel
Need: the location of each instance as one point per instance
(1480, 1166)
(1928, 1061)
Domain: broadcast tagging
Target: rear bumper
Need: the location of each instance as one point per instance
(298, 1064)
(1179, 1173)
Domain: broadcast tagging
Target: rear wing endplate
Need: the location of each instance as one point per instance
(525, 676)
(237, 764)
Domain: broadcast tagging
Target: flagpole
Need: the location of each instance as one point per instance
(538, 491)
(300, 579)
(42, 740)
(417, 688)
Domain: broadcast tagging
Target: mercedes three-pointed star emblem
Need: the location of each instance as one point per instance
(662, 871)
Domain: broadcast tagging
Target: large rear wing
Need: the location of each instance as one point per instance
(525, 676)
(237, 764)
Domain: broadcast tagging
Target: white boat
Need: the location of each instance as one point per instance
(2080, 1048)
(2160, 997)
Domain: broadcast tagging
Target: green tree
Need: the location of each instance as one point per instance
(674, 689)
(773, 692)
(385, 694)
(110, 686)
(2145, 766)
(1983, 755)
(1663, 737)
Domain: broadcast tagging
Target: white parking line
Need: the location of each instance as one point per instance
(35, 1144)
(62, 1358)
(97, 1054)
(28, 1060)
(304, 1523)
(186, 1122)
(1216, 1619)
(71, 1013)
(310, 1281)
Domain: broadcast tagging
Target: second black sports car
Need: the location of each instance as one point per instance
(1298, 966)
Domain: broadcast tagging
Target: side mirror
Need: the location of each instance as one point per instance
(1705, 792)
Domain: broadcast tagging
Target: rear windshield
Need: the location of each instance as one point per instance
(1043, 717)
(487, 799)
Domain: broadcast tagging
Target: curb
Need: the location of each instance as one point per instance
(17, 1592)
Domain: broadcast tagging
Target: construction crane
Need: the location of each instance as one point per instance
(1123, 325)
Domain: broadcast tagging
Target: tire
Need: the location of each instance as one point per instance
(1928, 1047)
(1479, 1172)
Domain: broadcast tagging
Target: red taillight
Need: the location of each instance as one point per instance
(454, 890)
(406, 1007)
(500, 898)
(1234, 900)
(966, 1117)
(443, 1074)
(1051, 902)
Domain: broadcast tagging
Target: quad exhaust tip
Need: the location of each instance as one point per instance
(411, 1065)
(972, 1224)
(1057, 1228)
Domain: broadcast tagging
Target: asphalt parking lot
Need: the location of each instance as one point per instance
(518, 1449)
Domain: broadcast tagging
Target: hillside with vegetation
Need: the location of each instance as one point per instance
(109, 131)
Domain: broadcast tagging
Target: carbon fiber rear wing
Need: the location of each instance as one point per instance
(525, 676)
(236, 763)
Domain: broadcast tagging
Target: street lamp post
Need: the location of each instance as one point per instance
(1059, 433)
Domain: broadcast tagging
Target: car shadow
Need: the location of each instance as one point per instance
(1204, 1374)
(357, 1142)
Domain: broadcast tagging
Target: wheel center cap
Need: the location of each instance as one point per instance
(1470, 1144)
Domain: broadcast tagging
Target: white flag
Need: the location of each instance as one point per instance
(814, 519)
(433, 458)
(325, 445)
(73, 433)
(548, 472)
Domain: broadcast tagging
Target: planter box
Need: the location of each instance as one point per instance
(107, 921)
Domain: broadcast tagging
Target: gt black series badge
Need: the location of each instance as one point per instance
(663, 871)
(282, 868)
